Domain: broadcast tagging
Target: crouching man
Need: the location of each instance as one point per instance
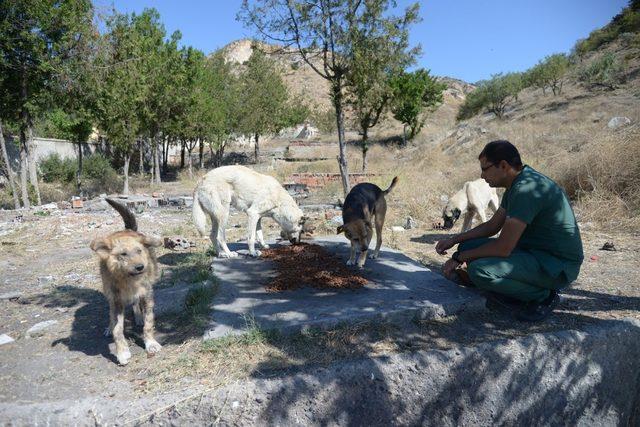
(539, 250)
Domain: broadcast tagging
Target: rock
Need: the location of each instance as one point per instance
(410, 223)
(617, 122)
(5, 339)
(336, 220)
(177, 243)
(50, 207)
(10, 296)
(596, 116)
(397, 229)
(39, 328)
(608, 246)
(44, 280)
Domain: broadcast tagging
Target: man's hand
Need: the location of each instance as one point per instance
(443, 245)
(449, 267)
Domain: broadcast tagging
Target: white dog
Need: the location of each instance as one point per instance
(472, 199)
(248, 191)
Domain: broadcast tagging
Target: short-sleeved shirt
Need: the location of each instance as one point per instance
(552, 233)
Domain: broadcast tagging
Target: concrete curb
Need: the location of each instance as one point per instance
(589, 377)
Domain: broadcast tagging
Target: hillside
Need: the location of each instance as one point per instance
(305, 83)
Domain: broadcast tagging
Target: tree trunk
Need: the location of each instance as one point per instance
(165, 153)
(127, 160)
(24, 166)
(404, 134)
(33, 169)
(26, 141)
(256, 148)
(79, 171)
(10, 174)
(141, 165)
(153, 162)
(190, 163)
(365, 148)
(157, 162)
(182, 150)
(342, 159)
(201, 154)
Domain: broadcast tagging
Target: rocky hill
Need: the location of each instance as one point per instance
(307, 84)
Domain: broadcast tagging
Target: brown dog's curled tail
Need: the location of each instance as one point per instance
(393, 184)
(128, 216)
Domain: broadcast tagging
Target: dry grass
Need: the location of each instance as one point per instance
(604, 178)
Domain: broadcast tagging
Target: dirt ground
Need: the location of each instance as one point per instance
(47, 265)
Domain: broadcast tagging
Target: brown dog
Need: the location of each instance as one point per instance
(363, 203)
(128, 267)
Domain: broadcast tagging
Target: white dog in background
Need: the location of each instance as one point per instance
(248, 191)
(473, 199)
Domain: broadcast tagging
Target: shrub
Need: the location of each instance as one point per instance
(97, 166)
(324, 120)
(55, 169)
(606, 71)
(494, 94)
(473, 104)
(628, 21)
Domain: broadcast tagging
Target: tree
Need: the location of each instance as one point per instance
(379, 53)
(556, 68)
(413, 93)
(8, 169)
(321, 31)
(264, 97)
(37, 39)
(124, 85)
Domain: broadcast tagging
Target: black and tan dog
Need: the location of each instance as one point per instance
(129, 268)
(364, 203)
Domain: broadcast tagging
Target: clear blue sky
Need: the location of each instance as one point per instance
(465, 39)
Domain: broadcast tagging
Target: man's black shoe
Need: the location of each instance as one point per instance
(502, 303)
(536, 312)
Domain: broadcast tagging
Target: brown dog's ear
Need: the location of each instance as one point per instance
(340, 229)
(101, 246)
(150, 241)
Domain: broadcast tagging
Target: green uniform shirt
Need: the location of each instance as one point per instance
(552, 234)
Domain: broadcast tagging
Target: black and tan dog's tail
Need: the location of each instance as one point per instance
(393, 184)
(128, 216)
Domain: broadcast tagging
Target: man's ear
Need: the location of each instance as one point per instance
(340, 229)
(150, 241)
(102, 247)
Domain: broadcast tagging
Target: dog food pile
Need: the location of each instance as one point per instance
(312, 265)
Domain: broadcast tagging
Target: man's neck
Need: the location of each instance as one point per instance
(512, 177)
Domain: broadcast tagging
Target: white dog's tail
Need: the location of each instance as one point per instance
(198, 215)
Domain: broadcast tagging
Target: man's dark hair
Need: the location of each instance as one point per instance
(496, 151)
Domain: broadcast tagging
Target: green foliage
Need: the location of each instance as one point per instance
(98, 166)
(548, 73)
(324, 120)
(627, 21)
(494, 95)
(264, 96)
(55, 169)
(606, 71)
(39, 42)
(94, 167)
(473, 104)
(413, 93)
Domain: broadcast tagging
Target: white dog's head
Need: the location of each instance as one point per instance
(291, 219)
(449, 216)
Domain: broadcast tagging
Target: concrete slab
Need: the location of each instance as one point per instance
(399, 290)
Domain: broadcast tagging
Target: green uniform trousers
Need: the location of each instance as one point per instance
(518, 276)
